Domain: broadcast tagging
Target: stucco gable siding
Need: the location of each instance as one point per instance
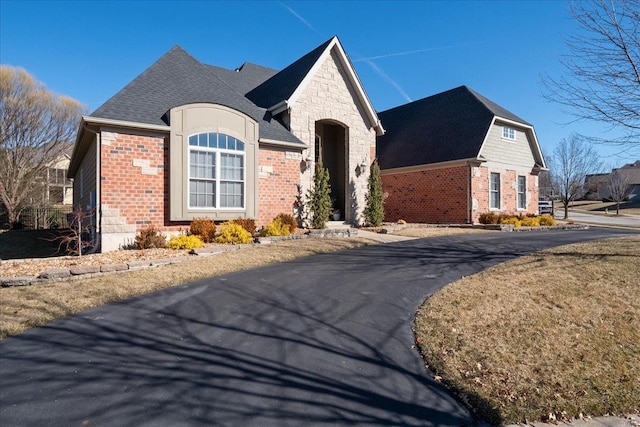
(499, 150)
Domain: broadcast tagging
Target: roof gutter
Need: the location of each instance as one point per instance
(125, 123)
(279, 107)
(473, 161)
(276, 143)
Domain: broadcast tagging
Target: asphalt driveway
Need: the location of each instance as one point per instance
(324, 340)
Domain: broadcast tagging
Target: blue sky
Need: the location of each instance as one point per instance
(401, 50)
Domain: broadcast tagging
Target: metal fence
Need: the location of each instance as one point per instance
(39, 218)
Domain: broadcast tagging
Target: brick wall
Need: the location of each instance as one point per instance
(508, 191)
(134, 183)
(430, 196)
(278, 174)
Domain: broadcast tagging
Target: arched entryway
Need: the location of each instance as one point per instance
(331, 149)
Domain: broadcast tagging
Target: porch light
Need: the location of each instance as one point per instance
(363, 167)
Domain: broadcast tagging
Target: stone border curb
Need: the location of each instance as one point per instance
(90, 271)
(387, 228)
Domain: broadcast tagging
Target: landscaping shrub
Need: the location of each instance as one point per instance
(233, 233)
(185, 242)
(276, 228)
(288, 220)
(374, 208)
(488, 218)
(248, 224)
(546, 220)
(203, 227)
(320, 197)
(510, 220)
(150, 238)
(530, 221)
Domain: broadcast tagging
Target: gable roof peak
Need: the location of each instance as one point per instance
(279, 92)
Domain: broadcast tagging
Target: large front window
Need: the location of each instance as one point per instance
(495, 191)
(216, 171)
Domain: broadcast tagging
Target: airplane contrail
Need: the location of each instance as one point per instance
(409, 52)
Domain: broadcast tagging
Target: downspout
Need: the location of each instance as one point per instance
(469, 201)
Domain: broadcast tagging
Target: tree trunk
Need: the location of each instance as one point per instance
(13, 215)
(617, 208)
(566, 209)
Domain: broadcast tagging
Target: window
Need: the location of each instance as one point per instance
(522, 192)
(216, 171)
(508, 133)
(494, 191)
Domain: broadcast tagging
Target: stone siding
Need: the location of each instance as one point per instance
(330, 96)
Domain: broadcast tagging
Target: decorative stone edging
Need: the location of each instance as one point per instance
(89, 271)
(86, 271)
(498, 227)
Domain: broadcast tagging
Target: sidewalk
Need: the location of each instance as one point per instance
(601, 219)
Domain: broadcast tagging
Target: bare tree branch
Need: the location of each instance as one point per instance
(573, 159)
(602, 81)
(619, 185)
(35, 124)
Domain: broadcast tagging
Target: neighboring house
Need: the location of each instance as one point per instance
(631, 174)
(186, 139)
(452, 156)
(59, 189)
(597, 185)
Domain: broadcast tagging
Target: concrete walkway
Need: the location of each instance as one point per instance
(382, 238)
(611, 220)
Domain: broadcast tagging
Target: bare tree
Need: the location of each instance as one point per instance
(619, 186)
(34, 125)
(573, 159)
(603, 67)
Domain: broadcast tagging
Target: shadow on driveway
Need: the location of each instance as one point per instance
(324, 340)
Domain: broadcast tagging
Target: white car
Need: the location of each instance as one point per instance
(545, 207)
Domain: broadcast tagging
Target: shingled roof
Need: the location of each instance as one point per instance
(281, 86)
(178, 79)
(451, 125)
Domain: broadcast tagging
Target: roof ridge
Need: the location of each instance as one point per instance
(287, 79)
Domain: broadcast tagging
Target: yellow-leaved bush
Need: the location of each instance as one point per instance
(185, 242)
(230, 232)
(511, 221)
(546, 220)
(276, 228)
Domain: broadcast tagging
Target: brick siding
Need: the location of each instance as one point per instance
(429, 196)
(440, 196)
(134, 183)
(278, 174)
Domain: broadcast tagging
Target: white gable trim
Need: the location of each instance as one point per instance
(537, 151)
(374, 122)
